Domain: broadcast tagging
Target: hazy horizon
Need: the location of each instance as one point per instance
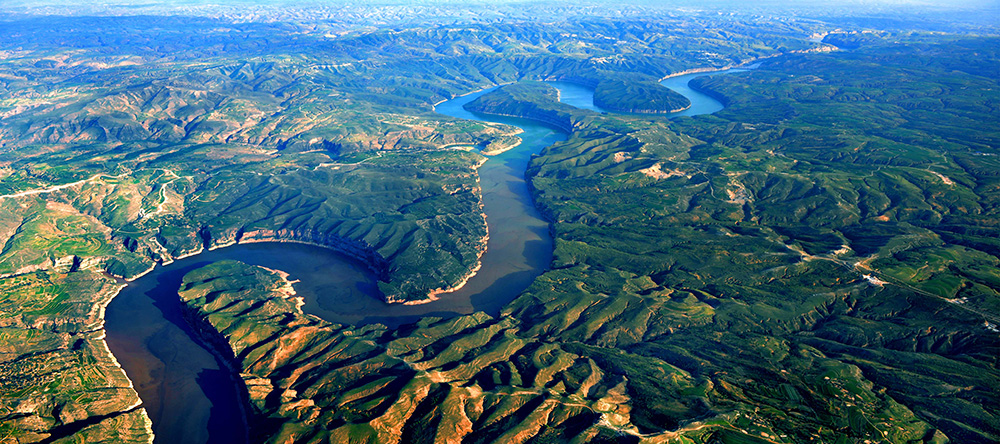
(972, 16)
(730, 4)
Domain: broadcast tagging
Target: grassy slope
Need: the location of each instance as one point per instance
(57, 377)
(638, 296)
(670, 314)
(140, 138)
(638, 95)
(471, 377)
(198, 146)
(745, 264)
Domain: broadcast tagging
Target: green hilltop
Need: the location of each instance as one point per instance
(817, 262)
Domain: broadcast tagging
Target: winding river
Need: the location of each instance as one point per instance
(190, 395)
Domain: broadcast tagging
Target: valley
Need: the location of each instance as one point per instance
(814, 258)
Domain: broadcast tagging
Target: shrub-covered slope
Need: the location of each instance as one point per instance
(638, 95)
(699, 293)
(840, 214)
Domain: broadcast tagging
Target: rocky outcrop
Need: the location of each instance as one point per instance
(356, 249)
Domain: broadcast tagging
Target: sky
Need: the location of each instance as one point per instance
(960, 4)
(982, 12)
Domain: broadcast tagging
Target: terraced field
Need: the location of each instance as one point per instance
(817, 262)
(692, 307)
(58, 380)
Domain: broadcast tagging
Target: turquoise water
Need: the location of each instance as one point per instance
(577, 95)
(583, 97)
(701, 103)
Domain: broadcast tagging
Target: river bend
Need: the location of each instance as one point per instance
(189, 394)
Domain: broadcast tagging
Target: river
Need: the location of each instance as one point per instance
(189, 394)
(701, 103)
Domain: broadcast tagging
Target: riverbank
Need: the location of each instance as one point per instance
(58, 323)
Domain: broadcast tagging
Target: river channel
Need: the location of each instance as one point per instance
(189, 394)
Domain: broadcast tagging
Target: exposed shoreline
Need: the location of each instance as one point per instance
(642, 112)
(747, 64)
(101, 338)
(249, 238)
(289, 291)
(698, 71)
(557, 126)
(468, 93)
(432, 296)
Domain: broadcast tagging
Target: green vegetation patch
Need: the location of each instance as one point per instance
(814, 223)
(642, 96)
(55, 370)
